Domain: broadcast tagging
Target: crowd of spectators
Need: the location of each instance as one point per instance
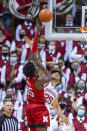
(66, 60)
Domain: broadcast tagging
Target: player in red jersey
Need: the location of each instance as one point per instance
(37, 113)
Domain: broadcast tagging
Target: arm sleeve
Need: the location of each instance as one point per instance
(8, 43)
(86, 96)
(43, 57)
(17, 32)
(13, 46)
(58, 55)
(20, 75)
(35, 43)
(3, 70)
(23, 56)
(77, 79)
(83, 77)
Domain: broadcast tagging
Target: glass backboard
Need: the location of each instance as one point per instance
(68, 17)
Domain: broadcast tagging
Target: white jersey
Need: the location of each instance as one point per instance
(50, 93)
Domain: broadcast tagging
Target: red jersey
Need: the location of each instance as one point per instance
(80, 126)
(34, 95)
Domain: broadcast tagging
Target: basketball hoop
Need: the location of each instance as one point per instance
(84, 32)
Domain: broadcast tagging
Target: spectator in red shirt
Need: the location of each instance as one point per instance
(80, 121)
(28, 26)
(7, 33)
(3, 39)
(76, 73)
(4, 56)
(84, 61)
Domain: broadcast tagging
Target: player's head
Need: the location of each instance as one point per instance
(62, 102)
(8, 107)
(71, 90)
(81, 111)
(81, 86)
(61, 61)
(9, 91)
(28, 17)
(29, 69)
(55, 67)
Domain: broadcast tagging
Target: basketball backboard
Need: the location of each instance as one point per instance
(57, 28)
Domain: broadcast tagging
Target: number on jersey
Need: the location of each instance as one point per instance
(30, 92)
(49, 99)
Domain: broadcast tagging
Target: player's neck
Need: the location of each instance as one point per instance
(54, 82)
(7, 114)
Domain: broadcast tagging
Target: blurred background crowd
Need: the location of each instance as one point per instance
(65, 59)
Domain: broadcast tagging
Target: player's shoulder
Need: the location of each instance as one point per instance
(2, 118)
(35, 78)
(47, 85)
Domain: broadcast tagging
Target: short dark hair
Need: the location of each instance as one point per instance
(71, 87)
(62, 99)
(61, 58)
(54, 65)
(29, 69)
(14, 52)
(8, 101)
(5, 46)
(8, 98)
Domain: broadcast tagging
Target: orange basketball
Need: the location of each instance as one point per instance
(45, 15)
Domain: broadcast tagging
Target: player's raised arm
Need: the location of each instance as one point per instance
(34, 44)
(41, 80)
(35, 41)
(57, 108)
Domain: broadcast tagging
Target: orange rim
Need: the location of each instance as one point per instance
(83, 28)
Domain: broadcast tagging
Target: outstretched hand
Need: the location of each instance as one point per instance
(64, 119)
(57, 108)
(28, 41)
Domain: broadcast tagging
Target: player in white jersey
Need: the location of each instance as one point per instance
(50, 94)
(50, 89)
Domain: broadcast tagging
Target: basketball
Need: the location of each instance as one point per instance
(45, 15)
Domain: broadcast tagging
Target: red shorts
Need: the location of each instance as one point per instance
(37, 116)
